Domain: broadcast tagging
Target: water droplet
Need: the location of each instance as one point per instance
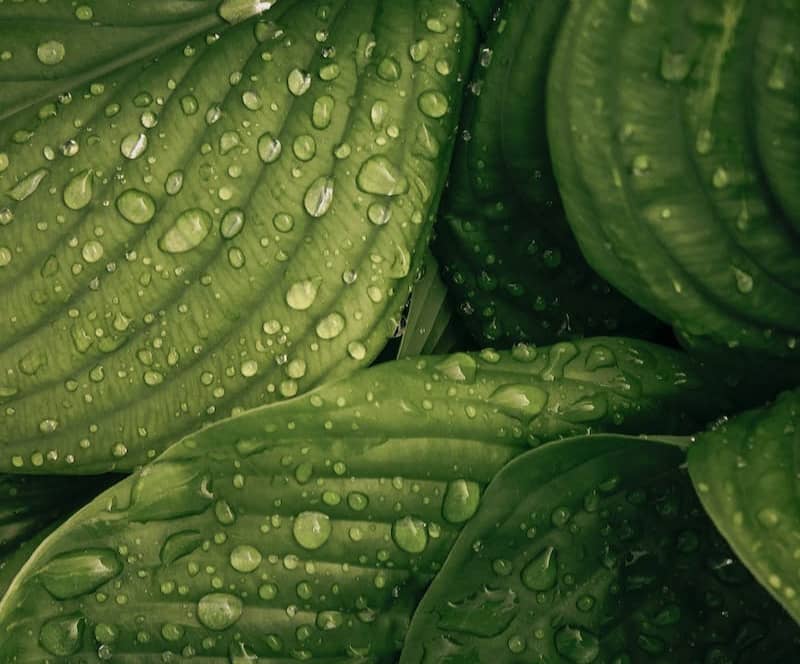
(236, 11)
(433, 104)
(77, 573)
(577, 644)
(136, 206)
(245, 558)
(133, 145)
(389, 69)
(180, 544)
(92, 251)
(27, 186)
(79, 190)
(311, 529)
(229, 140)
(541, 573)
(322, 113)
(218, 611)
(419, 50)
(63, 636)
(319, 197)
(174, 183)
(379, 214)
(84, 13)
(50, 52)
(461, 501)
(269, 148)
(520, 401)
(304, 147)
(189, 105)
(232, 223)
(299, 82)
(720, 179)
(331, 326)
(459, 367)
(251, 100)
(283, 222)
(187, 232)
(410, 534)
(380, 176)
(301, 295)
(356, 350)
(744, 281)
(675, 66)
(167, 490)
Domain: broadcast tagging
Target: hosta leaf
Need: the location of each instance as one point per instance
(226, 225)
(746, 474)
(595, 550)
(53, 47)
(310, 528)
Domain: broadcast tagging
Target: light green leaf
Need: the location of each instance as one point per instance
(746, 475)
(224, 226)
(594, 550)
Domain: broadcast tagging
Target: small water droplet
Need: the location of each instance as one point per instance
(577, 644)
(63, 636)
(433, 104)
(133, 146)
(232, 223)
(245, 558)
(28, 186)
(331, 326)
(299, 82)
(380, 176)
(541, 573)
(50, 52)
(322, 113)
(301, 294)
(461, 501)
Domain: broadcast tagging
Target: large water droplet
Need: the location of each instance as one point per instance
(459, 367)
(269, 148)
(187, 232)
(331, 326)
(520, 401)
(180, 544)
(63, 636)
(27, 186)
(299, 82)
(311, 529)
(541, 573)
(167, 491)
(218, 611)
(76, 573)
(136, 206)
(461, 501)
(380, 176)
(577, 644)
(245, 558)
(79, 190)
(319, 197)
(133, 145)
(433, 104)
(50, 52)
(301, 295)
(410, 534)
(236, 11)
(232, 223)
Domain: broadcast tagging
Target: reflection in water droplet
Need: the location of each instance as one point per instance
(50, 52)
(331, 326)
(319, 197)
(187, 232)
(136, 206)
(218, 611)
(410, 534)
(236, 11)
(133, 145)
(433, 104)
(380, 176)
(311, 529)
(461, 501)
(299, 82)
(79, 190)
(269, 148)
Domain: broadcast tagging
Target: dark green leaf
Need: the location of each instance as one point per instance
(595, 550)
(746, 474)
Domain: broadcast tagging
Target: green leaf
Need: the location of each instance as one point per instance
(594, 550)
(230, 224)
(745, 472)
(55, 47)
(651, 109)
(310, 528)
(513, 268)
